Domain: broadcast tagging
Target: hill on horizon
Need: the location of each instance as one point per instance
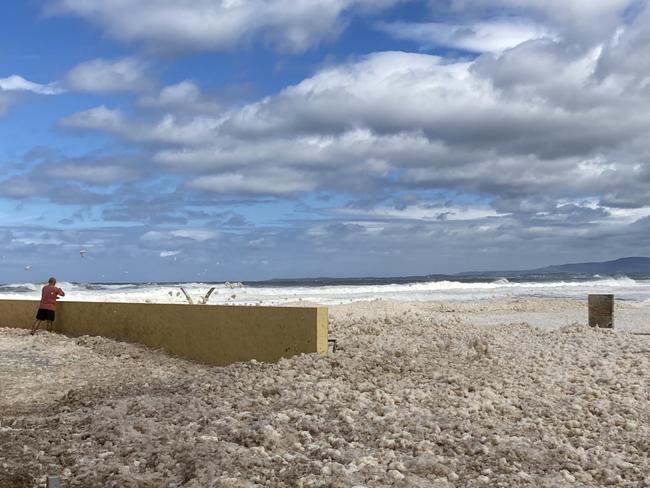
(627, 265)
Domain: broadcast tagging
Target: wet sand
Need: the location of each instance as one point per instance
(491, 393)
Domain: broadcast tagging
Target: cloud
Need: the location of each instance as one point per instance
(275, 182)
(184, 96)
(195, 234)
(542, 141)
(171, 128)
(104, 76)
(95, 173)
(494, 35)
(46, 175)
(535, 142)
(192, 234)
(169, 254)
(19, 188)
(582, 21)
(427, 212)
(24, 187)
(190, 25)
(19, 84)
(624, 57)
(533, 119)
(12, 87)
(98, 118)
(353, 242)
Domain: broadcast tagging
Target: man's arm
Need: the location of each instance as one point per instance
(59, 291)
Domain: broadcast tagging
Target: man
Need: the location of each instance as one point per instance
(49, 295)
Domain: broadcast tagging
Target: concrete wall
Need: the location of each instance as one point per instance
(209, 333)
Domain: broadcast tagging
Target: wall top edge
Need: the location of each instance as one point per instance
(274, 307)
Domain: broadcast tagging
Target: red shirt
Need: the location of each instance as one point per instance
(49, 294)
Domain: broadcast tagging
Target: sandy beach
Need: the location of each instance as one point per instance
(501, 393)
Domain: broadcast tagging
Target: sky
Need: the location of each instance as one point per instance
(212, 140)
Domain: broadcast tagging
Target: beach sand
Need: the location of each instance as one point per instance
(511, 392)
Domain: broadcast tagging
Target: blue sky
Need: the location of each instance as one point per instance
(229, 140)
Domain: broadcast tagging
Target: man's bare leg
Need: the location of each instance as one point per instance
(36, 325)
(49, 325)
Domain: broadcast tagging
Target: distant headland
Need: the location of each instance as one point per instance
(629, 266)
(621, 266)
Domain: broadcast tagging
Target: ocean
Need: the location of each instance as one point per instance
(331, 291)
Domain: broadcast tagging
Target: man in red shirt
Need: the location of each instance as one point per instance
(49, 294)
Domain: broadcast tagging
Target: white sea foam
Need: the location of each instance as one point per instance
(623, 287)
(416, 395)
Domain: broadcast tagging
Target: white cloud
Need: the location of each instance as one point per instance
(487, 36)
(278, 182)
(303, 151)
(98, 118)
(171, 129)
(388, 92)
(169, 254)
(581, 21)
(193, 234)
(18, 83)
(628, 215)
(478, 126)
(292, 25)
(181, 97)
(529, 124)
(427, 212)
(12, 87)
(103, 76)
(168, 129)
(154, 235)
(183, 93)
(624, 59)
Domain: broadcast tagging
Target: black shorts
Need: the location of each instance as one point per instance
(44, 314)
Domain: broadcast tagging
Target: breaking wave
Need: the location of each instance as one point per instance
(271, 293)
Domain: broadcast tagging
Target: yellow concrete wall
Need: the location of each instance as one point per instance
(209, 333)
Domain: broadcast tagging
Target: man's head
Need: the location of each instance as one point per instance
(51, 281)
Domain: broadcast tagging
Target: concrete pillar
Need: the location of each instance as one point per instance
(53, 482)
(601, 311)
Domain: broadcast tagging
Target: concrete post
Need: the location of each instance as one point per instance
(601, 311)
(53, 482)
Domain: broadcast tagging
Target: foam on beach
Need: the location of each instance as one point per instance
(418, 394)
